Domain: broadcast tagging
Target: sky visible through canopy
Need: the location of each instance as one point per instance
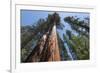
(29, 17)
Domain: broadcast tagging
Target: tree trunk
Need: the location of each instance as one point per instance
(47, 48)
(53, 48)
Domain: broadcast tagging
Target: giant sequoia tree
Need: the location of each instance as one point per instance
(47, 48)
(41, 42)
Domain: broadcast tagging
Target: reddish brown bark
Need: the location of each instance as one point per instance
(47, 48)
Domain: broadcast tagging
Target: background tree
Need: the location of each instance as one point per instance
(79, 43)
(80, 26)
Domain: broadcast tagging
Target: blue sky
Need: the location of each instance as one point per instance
(29, 17)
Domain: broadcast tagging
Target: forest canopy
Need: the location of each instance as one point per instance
(69, 30)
